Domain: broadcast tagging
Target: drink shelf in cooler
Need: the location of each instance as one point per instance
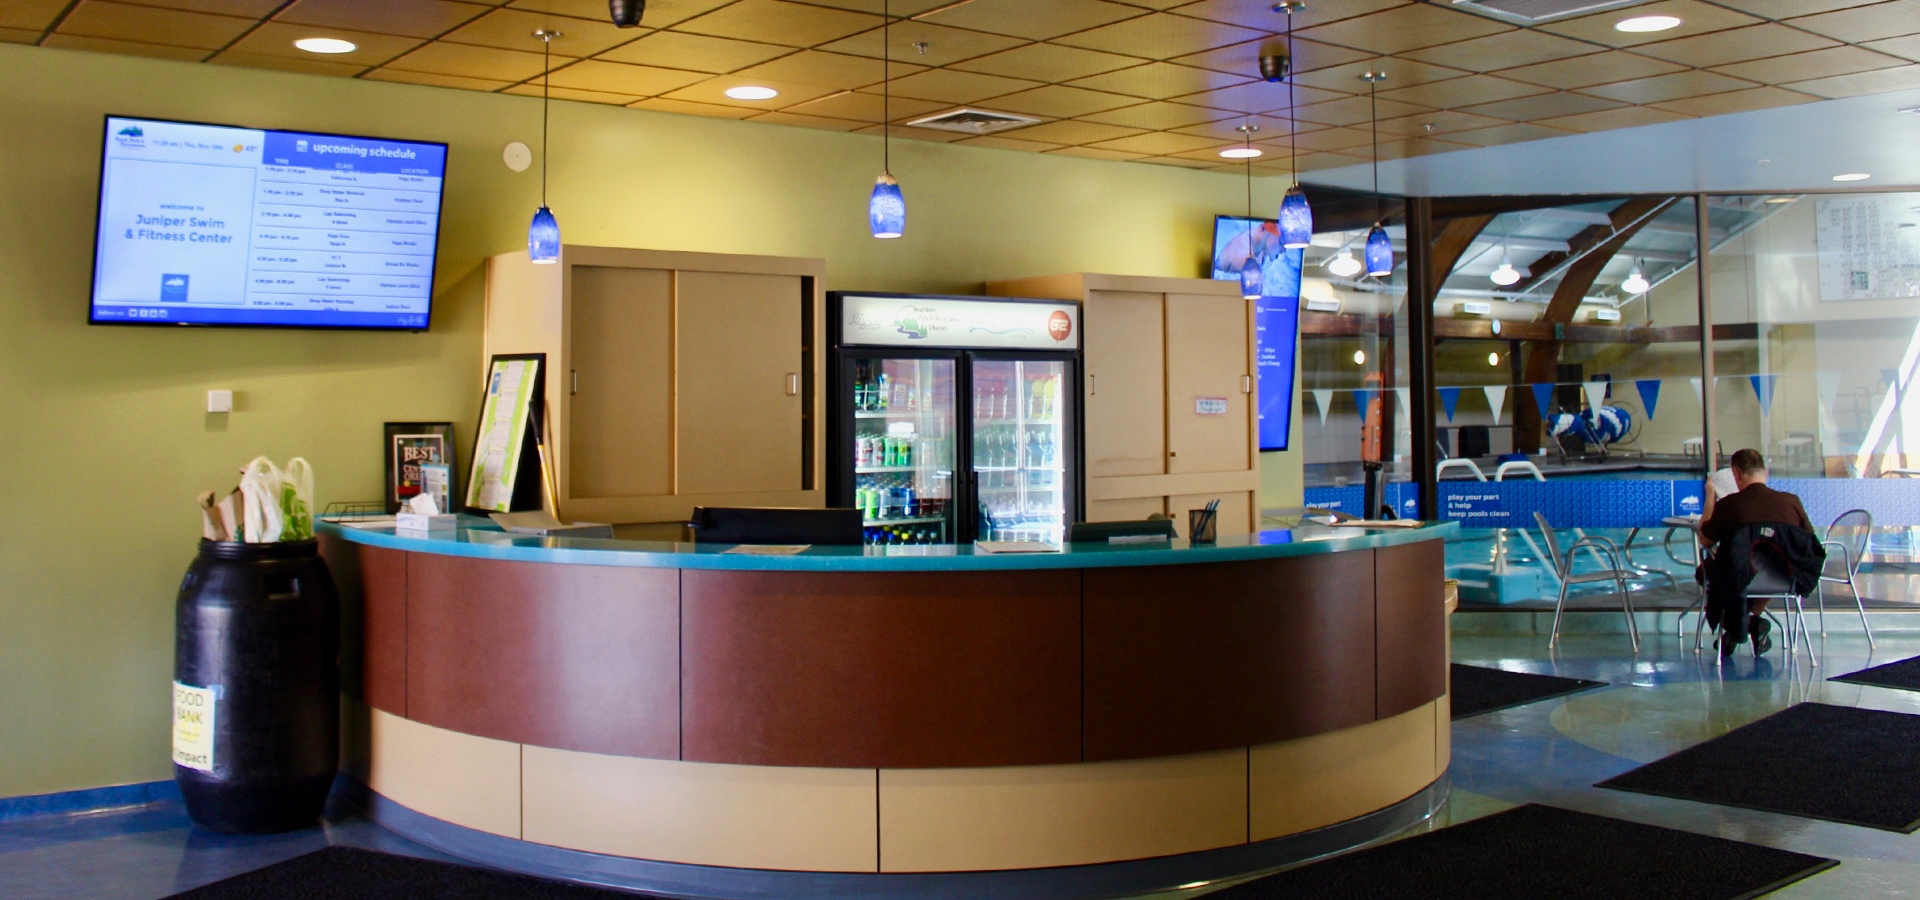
(898, 413)
(936, 468)
(914, 520)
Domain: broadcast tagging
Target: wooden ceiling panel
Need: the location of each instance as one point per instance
(1160, 116)
(575, 94)
(434, 79)
(1544, 106)
(829, 70)
(954, 86)
(1159, 80)
(1865, 23)
(1161, 36)
(1404, 149)
(1904, 47)
(1462, 91)
(1259, 14)
(31, 15)
(1160, 143)
(276, 39)
(1400, 73)
(1270, 131)
(1404, 28)
(512, 29)
(128, 48)
(1507, 134)
(915, 134)
(410, 18)
(621, 78)
(1097, 153)
(1259, 96)
(1807, 66)
(660, 13)
(1878, 81)
(1675, 86)
(1031, 20)
(1787, 9)
(1738, 45)
(1584, 71)
(1438, 122)
(1695, 18)
(695, 52)
(690, 108)
(713, 92)
(1736, 101)
(944, 46)
(148, 25)
(1314, 162)
(252, 9)
(1057, 101)
(797, 120)
(779, 22)
(1336, 139)
(19, 36)
(1006, 143)
(1244, 59)
(1048, 62)
(865, 107)
(1502, 51)
(474, 62)
(1609, 119)
(1354, 111)
(1073, 132)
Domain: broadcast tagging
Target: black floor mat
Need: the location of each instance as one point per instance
(346, 873)
(1479, 690)
(1543, 853)
(1904, 675)
(1837, 763)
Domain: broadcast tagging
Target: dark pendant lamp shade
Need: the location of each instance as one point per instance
(1250, 287)
(887, 208)
(1296, 220)
(1379, 253)
(543, 237)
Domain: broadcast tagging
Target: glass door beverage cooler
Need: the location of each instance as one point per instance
(955, 419)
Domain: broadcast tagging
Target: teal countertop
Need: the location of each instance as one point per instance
(483, 540)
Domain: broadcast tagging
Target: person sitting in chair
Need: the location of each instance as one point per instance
(1754, 521)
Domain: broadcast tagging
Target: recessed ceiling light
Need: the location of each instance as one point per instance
(752, 92)
(1852, 176)
(1241, 152)
(326, 45)
(1640, 24)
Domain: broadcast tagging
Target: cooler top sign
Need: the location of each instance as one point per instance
(945, 322)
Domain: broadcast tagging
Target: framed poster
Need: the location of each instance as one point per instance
(504, 474)
(409, 446)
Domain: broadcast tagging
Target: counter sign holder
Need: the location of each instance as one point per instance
(509, 448)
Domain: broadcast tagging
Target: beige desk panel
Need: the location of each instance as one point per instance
(1314, 782)
(459, 778)
(1443, 732)
(1018, 817)
(755, 817)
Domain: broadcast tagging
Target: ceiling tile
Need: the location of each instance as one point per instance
(1314, 162)
(1177, 162)
(1161, 36)
(944, 45)
(621, 78)
(1031, 20)
(1417, 147)
(1159, 142)
(1161, 116)
(785, 117)
(1878, 81)
(1259, 13)
(954, 86)
(512, 29)
(276, 39)
(19, 35)
(1600, 68)
(1610, 119)
(1865, 23)
(1061, 102)
(699, 52)
(686, 108)
(1048, 62)
(1740, 44)
(1007, 143)
(31, 15)
(1543, 106)
(1073, 132)
(1442, 122)
(1737, 101)
(1674, 86)
(575, 94)
(865, 108)
(1271, 131)
(1405, 28)
(412, 18)
(914, 134)
(660, 13)
(472, 62)
(830, 70)
(779, 22)
(1212, 155)
(1096, 153)
(713, 91)
(1258, 96)
(434, 79)
(896, 8)
(1354, 110)
(1695, 18)
(1506, 134)
(147, 25)
(1336, 139)
(251, 9)
(1462, 91)
(1244, 59)
(1787, 9)
(1816, 64)
(1400, 73)
(1907, 47)
(1160, 80)
(130, 48)
(1502, 51)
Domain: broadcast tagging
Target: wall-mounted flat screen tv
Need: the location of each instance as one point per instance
(216, 225)
(1276, 314)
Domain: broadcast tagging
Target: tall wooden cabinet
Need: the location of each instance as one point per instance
(674, 379)
(1172, 420)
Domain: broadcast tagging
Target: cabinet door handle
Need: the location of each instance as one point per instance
(793, 384)
(1246, 384)
(1093, 385)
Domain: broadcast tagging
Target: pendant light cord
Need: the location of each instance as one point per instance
(886, 87)
(546, 101)
(1293, 126)
(1373, 113)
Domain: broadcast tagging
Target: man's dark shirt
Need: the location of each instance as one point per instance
(1754, 505)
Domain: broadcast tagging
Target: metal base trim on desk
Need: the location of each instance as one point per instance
(1091, 882)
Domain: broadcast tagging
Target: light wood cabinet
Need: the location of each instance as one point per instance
(1172, 419)
(674, 379)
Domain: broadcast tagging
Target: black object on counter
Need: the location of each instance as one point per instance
(256, 641)
(753, 525)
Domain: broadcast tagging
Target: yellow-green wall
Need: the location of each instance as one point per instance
(103, 441)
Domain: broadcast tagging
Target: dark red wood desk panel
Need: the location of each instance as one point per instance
(1411, 613)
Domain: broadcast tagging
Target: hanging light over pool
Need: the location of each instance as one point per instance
(1296, 219)
(887, 208)
(1379, 253)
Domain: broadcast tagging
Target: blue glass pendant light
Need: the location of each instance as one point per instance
(1296, 216)
(1379, 253)
(1379, 248)
(886, 207)
(1250, 287)
(543, 235)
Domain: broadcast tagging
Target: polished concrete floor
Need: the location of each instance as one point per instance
(1662, 700)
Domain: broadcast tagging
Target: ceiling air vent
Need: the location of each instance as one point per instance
(974, 121)
(1538, 10)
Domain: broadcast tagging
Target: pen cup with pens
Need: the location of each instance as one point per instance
(1203, 524)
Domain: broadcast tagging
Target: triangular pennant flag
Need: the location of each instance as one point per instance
(1543, 398)
(1596, 394)
(1405, 396)
(1323, 398)
(1699, 396)
(1763, 390)
(1829, 388)
(1649, 394)
(1449, 400)
(1496, 400)
(1363, 399)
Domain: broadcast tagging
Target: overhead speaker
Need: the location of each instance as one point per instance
(1274, 66)
(626, 13)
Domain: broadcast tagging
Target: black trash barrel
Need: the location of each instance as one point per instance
(256, 686)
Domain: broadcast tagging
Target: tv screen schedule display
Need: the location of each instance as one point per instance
(214, 225)
(1276, 314)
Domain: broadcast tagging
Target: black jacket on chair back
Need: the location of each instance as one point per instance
(1793, 549)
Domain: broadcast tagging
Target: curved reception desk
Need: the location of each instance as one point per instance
(895, 721)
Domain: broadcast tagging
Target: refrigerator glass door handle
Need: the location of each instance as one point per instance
(1246, 384)
(793, 384)
(1093, 385)
(575, 387)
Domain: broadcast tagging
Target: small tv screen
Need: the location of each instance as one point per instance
(217, 225)
(1236, 240)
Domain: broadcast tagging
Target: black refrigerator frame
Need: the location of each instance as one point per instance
(966, 502)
